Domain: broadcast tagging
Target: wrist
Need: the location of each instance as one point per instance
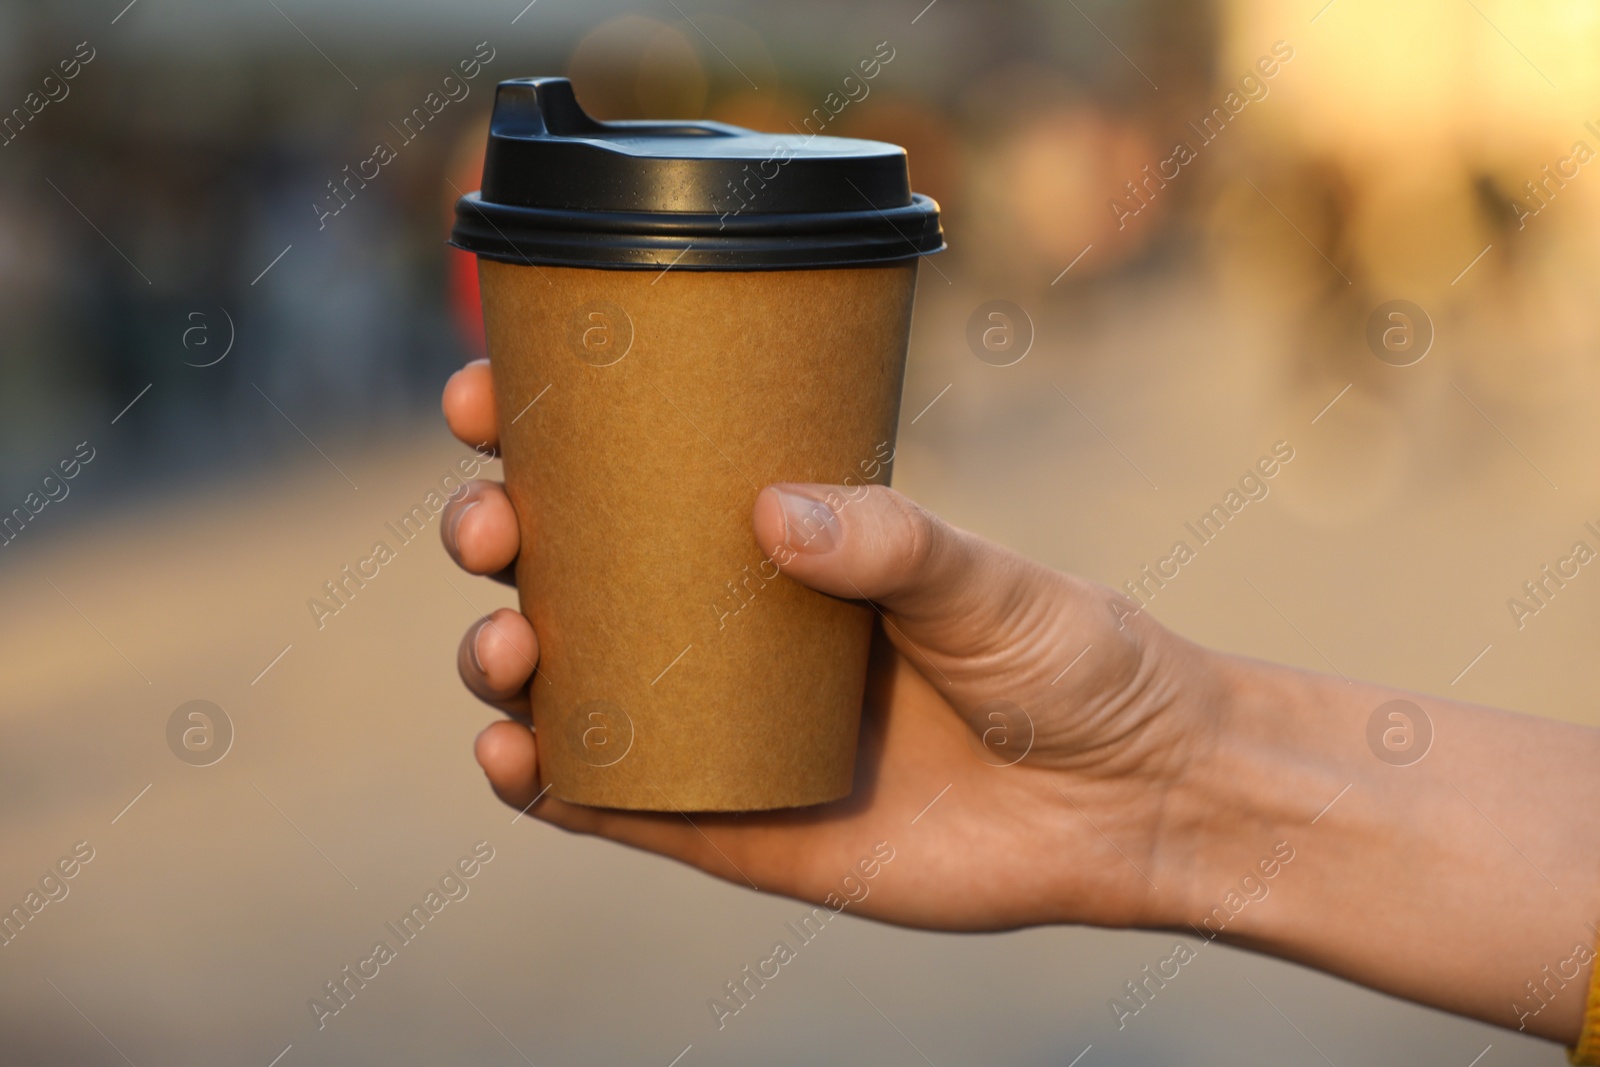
(1258, 779)
(1429, 878)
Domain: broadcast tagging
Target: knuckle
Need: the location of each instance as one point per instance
(919, 534)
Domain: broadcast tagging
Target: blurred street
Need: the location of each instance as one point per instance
(254, 422)
(226, 896)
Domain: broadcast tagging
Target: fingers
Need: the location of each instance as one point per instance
(506, 752)
(479, 530)
(870, 542)
(469, 405)
(497, 658)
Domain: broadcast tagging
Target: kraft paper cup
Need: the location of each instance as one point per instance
(680, 314)
(640, 414)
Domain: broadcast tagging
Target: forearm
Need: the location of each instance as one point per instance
(1468, 880)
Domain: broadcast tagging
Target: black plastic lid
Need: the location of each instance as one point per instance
(562, 189)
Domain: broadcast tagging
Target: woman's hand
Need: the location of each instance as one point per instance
(1023, 740)
(1036, 750)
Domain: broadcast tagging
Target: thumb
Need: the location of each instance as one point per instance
(950, 590)
(992, 631)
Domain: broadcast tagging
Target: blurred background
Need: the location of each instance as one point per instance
(1197, 259)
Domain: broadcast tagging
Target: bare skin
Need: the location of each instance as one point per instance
(1164, 781)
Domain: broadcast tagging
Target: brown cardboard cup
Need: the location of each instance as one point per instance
(680, 314)
(640, 413)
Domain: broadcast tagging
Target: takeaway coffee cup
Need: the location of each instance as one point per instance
(678, 314)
